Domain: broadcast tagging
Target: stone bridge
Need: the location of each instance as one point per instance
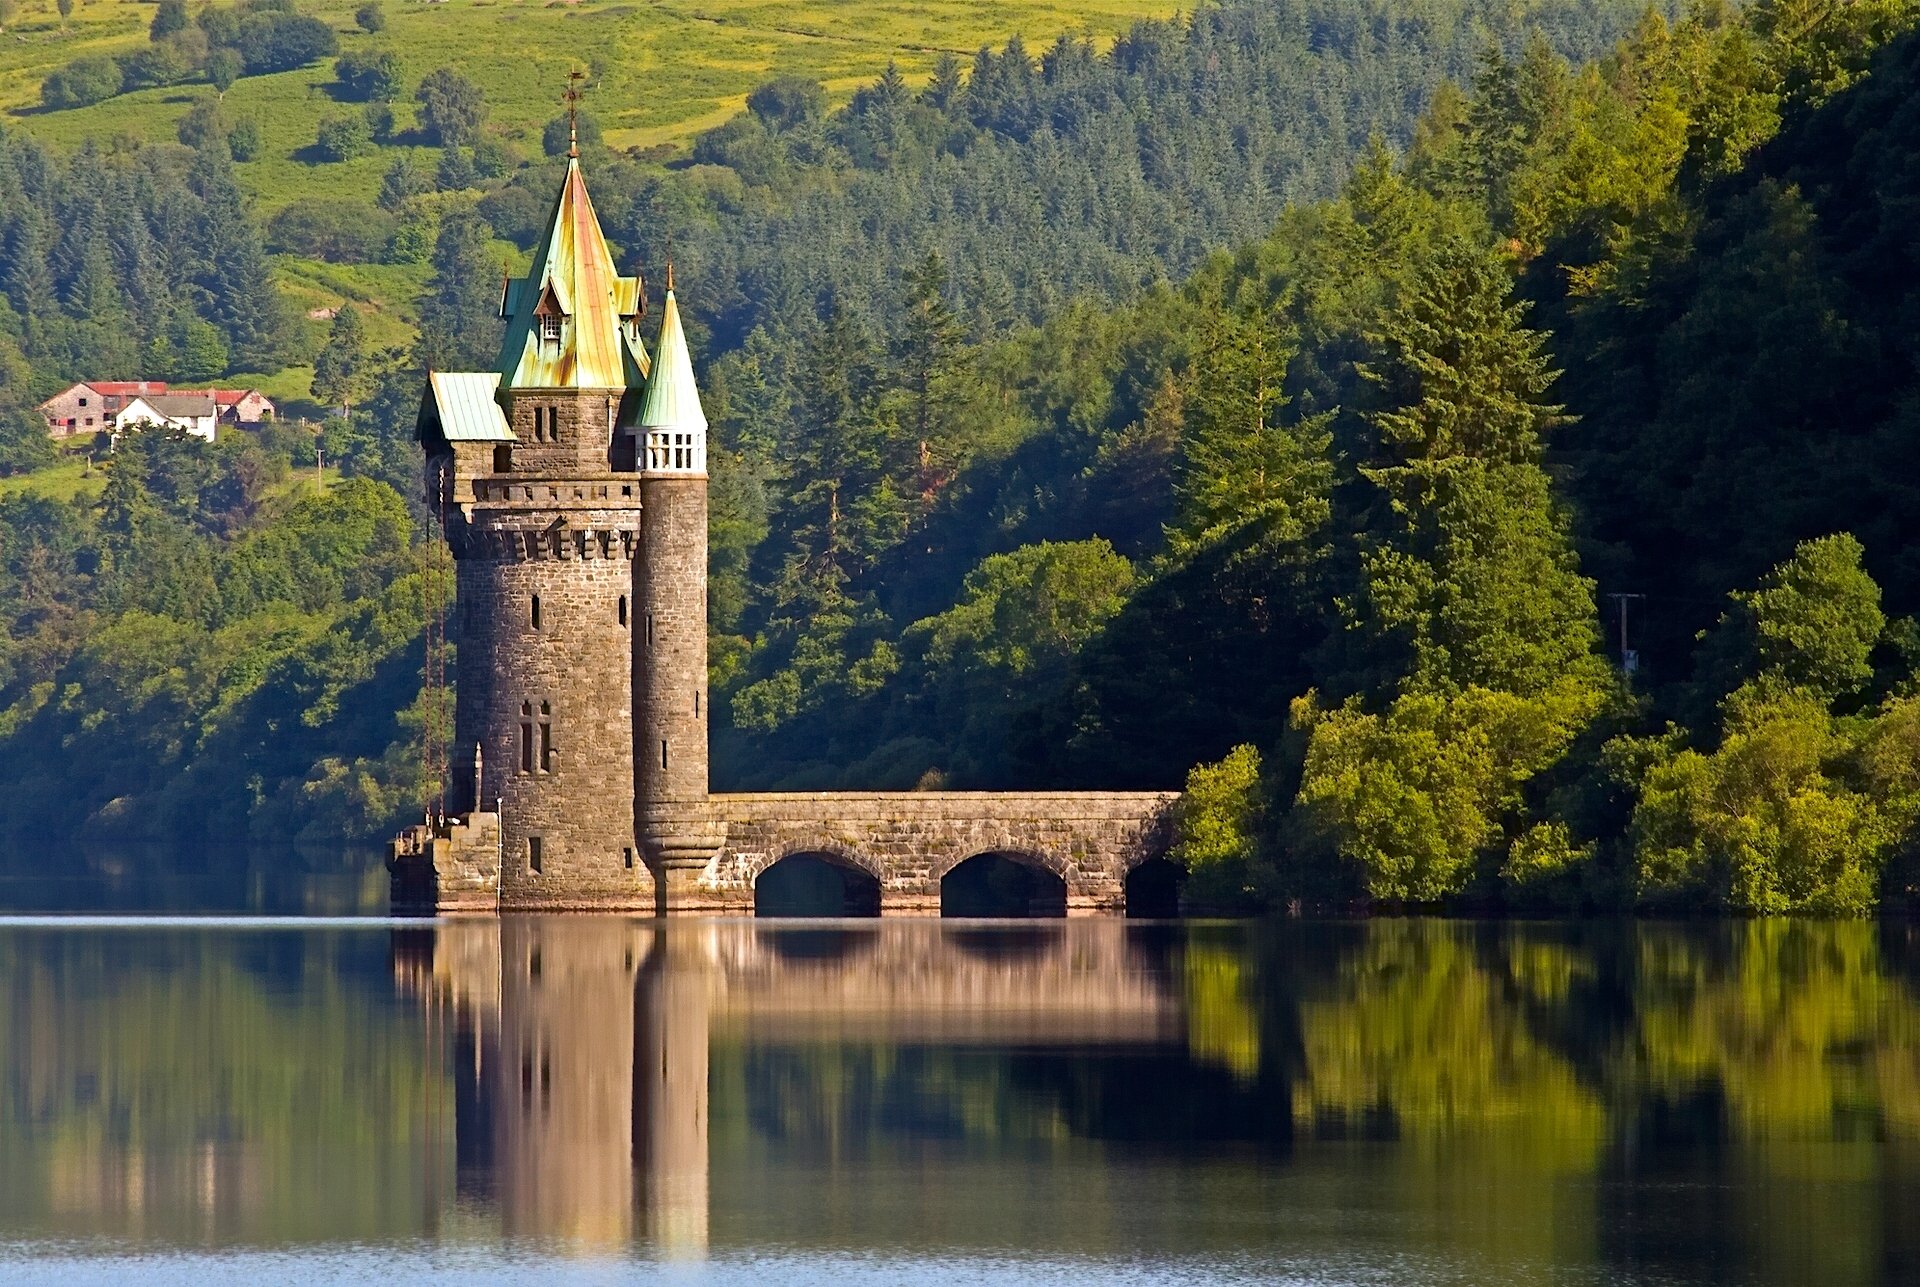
(1038, 853)
(898, 848)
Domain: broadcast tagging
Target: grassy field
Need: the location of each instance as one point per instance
(671, 69)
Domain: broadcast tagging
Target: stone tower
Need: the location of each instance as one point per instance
(671, 811)
(533, 467)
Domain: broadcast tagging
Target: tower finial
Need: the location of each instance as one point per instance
(572, 96)
(669, 259)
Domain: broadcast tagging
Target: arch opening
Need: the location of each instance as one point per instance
(1153, 890)
(998, 886)
(815, 885)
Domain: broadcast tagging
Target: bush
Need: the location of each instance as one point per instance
(788, 101)
(155, 65)
(412, 241)
(370, 75)
(455, 172)
(379, 119)
(341, 138)
(169, 18)
(337, 229)
(371, 18)
(403, 182)
(493, 159)
(515, 214)
(452, 108)
(223, 68)
(203, 124)
(80, 83)
(1217, 826)
(243, 140)
(553, 139)
(276, 42)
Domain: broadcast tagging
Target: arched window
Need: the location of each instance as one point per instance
(533, 612)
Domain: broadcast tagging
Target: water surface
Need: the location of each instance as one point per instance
(611, 1099)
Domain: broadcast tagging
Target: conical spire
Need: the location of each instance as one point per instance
(670, 413)
(572, 321)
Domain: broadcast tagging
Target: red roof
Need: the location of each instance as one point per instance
(229, 397)
(121, 387)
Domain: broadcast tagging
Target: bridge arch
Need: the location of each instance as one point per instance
(1152, 889)
(812, 880)
(1005, 883)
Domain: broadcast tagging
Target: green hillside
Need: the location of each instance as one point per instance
(663, 72)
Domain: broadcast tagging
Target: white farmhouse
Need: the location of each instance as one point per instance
(195, 413)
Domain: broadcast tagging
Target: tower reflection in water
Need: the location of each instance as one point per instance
(582, 1044)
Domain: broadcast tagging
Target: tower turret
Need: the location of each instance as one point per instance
(535, 471)
(670, 590)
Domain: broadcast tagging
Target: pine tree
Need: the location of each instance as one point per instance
(459, 317)
(1242, 460)
(339, 369)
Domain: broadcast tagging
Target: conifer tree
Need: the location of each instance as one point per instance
(339, 369)
(1242, 459)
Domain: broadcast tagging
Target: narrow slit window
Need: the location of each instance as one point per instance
(626, 857)
(623, 609)
(663, 754)
(533, 612)
(649, 630)
(546, 738)
(526, 737)
(536, 853)
(696, 701)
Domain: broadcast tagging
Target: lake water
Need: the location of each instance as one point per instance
(611, 1099)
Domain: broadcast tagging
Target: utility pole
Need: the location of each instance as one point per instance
(1629, 659)
(319, 470)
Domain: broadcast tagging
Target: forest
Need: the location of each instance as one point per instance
(1466, 457)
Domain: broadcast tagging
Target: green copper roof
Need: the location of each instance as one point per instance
(464, 405)
(672, 400)
(573, 278)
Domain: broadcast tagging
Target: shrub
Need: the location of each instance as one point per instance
(170, 17)
(515, 214)
(275, 42)
(371, 18)
(1217, 826)
(203, 123)
(493, 159)
(553, 139)
(370, 75)
(223, 68)
(337, 229)
(81, 82)
(341, 138)
(403, 181)
(159, 64)
(243, 140)
(452, 108)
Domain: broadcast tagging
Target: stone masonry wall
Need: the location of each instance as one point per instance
(908, 841)
(550, 703)
(670, 673)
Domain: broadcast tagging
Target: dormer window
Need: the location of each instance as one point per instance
(550, 327)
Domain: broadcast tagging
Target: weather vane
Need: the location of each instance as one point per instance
(572, 96)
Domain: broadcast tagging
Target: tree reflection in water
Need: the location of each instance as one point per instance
(1701, 1103)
